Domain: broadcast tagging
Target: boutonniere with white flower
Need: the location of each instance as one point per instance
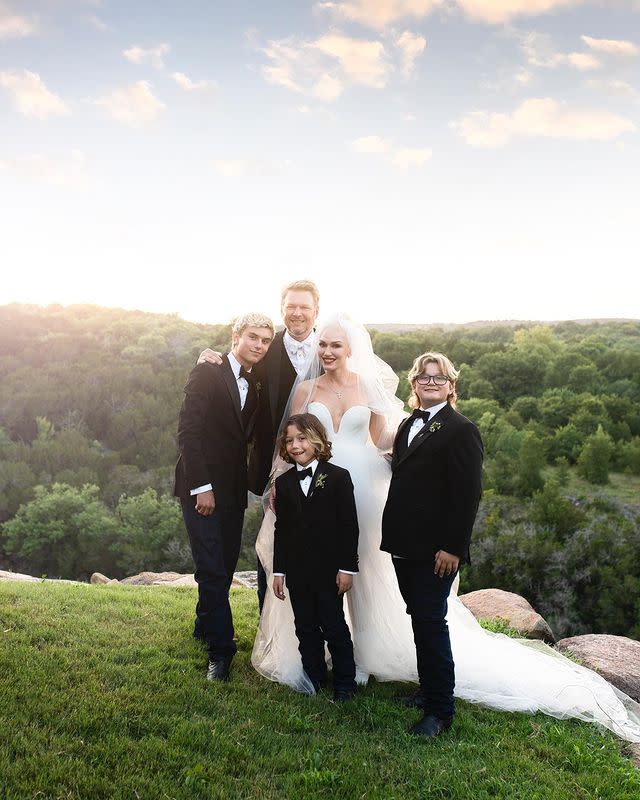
(258, 387)
(319, 481)
(435, 426)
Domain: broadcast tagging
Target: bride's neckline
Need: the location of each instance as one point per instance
(344, 414)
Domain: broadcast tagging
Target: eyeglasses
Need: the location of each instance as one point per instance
(438, 380)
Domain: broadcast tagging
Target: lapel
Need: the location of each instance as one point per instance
(296, 491)
(313, 492)
(232, 386)
(421, 437)
(273, 370)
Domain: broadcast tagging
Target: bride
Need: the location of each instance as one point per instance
(355, 400)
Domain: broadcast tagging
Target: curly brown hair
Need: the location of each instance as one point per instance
(315, 432)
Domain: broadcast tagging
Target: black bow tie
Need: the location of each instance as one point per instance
(420, 414)
(244, 374)
(304, 473)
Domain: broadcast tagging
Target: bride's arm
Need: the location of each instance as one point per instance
(302, 396)
(381, 435)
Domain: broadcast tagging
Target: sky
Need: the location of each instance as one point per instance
(422, 161)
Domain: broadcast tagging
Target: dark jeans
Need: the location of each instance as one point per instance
(215, 547)
(426, 597)
(319, 617)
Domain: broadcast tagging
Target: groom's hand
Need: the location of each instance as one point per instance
(205, 503)
(209, 356)
(278, 586)
(446, 564)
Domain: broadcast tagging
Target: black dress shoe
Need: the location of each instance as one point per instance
(219, 669)
(431, 726)
(343, 695)
(415, 700)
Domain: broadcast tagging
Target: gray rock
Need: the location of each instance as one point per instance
(616, 658)
(5, 575)
(151, 578)
(98, 577)
(514, 609)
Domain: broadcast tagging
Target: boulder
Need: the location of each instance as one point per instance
(248, 578)
(98, 577)
(17, 576)
(151, 578)
(514, 609)
(616, 658)
(183, 580)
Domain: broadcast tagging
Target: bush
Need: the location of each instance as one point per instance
(595, 457)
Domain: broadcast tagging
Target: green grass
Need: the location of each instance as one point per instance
(622, 487)
(102, 695)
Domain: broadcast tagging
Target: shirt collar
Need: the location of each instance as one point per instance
(293, 344)
(313, 464)
(434, 409)
(235, 365)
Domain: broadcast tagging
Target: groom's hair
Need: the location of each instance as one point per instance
(446, 368)
(302, 286)
(315, 432)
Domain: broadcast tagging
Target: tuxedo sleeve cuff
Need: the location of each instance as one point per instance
(206, 488)
(279, 574)
(347, 572)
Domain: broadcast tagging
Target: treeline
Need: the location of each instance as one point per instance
(89, 400)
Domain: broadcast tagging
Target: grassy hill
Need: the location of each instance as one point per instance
(102, 695)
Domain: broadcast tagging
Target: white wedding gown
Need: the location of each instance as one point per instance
(490, 669)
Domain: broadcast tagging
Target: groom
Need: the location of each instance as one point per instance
(426, 526)
(216, 420)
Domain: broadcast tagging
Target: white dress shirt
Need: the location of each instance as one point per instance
(418, 423)
(299, 352)
(305, 485)
(243, 389)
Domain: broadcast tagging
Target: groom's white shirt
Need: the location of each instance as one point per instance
(300, 352)
(418, 424)
(305, 485)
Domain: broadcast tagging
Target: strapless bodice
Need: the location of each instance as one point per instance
(354, 425)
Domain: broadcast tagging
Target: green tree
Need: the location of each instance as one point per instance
(531, 460)
(64, 532)
(595, 457)
(550, 509)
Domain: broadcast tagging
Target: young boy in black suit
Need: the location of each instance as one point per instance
(316, 547)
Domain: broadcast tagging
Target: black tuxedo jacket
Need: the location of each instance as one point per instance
(276, 375)
(212, 435)
(316, 535)
(435, 488)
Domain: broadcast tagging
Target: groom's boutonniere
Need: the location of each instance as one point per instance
(435, 426)
(258, 387)
(319, 481)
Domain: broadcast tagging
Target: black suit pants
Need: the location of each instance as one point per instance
(426, 597)
(215, 547)
(319, 617)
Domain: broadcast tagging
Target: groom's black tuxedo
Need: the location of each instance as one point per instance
(213, 430)
(276, 375)
(317, 535)
(435, 488)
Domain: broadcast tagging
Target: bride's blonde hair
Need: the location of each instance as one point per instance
(445, 366)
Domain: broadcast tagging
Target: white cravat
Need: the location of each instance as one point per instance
(243, 389)
(299, 352)
(419, 423)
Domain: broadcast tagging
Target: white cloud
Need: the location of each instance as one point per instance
(407, 157)
(499, 11)
(540, 117)
(15, 26)
(70, 171)
(402, 157)
(411, 46)
(540, 51)
(31, 96)
(380, 13)
(614, 47)
(617, 87)
(151, 55)
(192, 86)
(254, 168)
(371, 144)
(323, 68)
(134, 105)
(98, 24)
